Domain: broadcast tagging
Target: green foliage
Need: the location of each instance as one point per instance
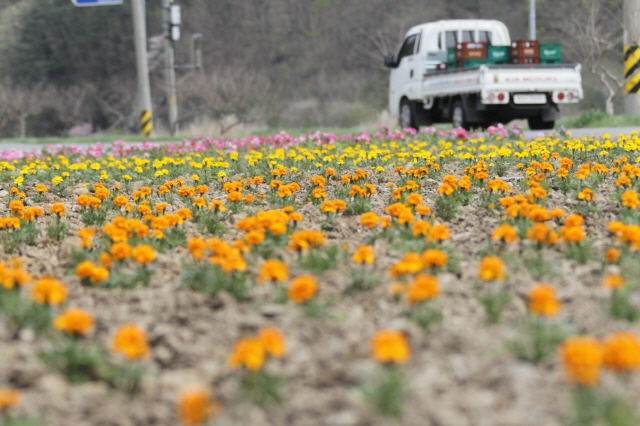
(318, 261)
(23, 313)
(210, 279)
(262, 388)
(386, 392)
(80, 361)
(595, 407)
(494, 302)
(537, 339)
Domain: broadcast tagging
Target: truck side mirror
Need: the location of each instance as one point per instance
(389, 61)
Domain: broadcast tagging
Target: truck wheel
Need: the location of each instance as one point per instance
(458, 116)
(407, 117)
(537, 123)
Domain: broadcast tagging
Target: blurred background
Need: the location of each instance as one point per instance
(69, 71)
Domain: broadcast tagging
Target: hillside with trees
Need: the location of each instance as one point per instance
(286, 63)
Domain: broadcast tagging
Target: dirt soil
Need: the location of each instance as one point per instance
(460, 372)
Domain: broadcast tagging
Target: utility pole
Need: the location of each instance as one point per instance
(170, 22)
(142, 65)
(532, 19)
(631, 57)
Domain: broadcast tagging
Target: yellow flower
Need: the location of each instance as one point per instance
(390, 346)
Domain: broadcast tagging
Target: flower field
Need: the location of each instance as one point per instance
(394, 277)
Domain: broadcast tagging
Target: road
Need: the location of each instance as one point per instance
(575, 133)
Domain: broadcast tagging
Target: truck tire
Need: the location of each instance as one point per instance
(459, 115)
(537, 123)
(407, 118)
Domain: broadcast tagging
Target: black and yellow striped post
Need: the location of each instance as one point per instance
(631, 67)
(146, 122)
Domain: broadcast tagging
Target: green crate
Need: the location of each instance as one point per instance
(451, 55)
(472, 63)
(498, 54)
(550, 61)
(549, 51)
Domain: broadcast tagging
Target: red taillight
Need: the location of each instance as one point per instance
(500, 97)
(560, 96)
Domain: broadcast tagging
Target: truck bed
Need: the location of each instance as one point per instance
(511, 78)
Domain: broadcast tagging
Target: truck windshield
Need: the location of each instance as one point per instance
(408, 47)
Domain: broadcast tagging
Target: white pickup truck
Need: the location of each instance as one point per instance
(420, 94)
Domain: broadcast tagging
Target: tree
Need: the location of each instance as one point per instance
(593, 30)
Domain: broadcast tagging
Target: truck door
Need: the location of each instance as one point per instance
(405, 78)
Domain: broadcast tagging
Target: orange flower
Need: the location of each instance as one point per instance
(612, 255)
(424, 287)
(74, 321)
(57, 208)
(49, 291)
(9, 398)
(194, 406)
(250, 352)
(622, 352)
(85, 235)
(434, 257)
(131, 341)
(423, 210)
(369, 219)
(254, 237)
(574, 219)
(613, 281)
(143, 254)
(389, 346)
(84, 269)
(438, 233)
(582, 357)
(302, 288)
(506, 233)
(99, 274)
(364, 254)
(120, 251)
(491, 268)
(273, 341)
(414, 199)
(573, 234)
(273, 270)
(543, 301)
(586, 194)
(16, 206)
